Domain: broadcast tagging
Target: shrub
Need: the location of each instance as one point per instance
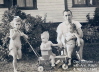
(32, 26)
(3, 54)
(91, 34)
(91, 29)
(95, 20)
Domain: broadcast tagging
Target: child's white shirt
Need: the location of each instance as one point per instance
(46, 46)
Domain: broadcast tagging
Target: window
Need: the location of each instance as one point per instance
(84, 3)
(3, 3)
(26, 4)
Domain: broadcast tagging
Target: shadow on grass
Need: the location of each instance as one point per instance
(91, 51)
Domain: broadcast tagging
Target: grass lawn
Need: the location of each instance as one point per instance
(25, 66)
(91, 52)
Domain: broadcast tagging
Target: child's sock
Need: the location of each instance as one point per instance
(53, 65)
(18, 57)
(15, 70)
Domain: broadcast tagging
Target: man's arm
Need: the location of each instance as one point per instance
(80, 32)
(78, 29)
(59, 36)
(78, 38)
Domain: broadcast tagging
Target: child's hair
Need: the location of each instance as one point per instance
(15, 19)
(73, 26)
(45, 34)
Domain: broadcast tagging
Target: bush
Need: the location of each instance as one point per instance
(91, 34)
(91, 29)
(32, 26)
(95, 20)
(3, 54)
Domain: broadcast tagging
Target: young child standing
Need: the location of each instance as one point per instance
(15, 42)
(70, 42)
(46, 49)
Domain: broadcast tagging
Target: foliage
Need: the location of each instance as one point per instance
(3, 53)
(91, 51)
(95, 20)
(91, 29)
(91, 34)
(32, 26)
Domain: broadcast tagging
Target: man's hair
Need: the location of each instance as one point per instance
(67, 10)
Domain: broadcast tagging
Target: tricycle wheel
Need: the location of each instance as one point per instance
(40, 68)
(64, 66)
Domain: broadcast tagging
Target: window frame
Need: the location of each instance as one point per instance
(5, 5)
(27, 8)
(83, 5)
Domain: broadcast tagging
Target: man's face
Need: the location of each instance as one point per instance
(67, 16)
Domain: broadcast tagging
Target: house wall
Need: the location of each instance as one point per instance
(79, 13)
(52, 8)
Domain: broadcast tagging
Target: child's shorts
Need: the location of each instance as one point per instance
(47, 54)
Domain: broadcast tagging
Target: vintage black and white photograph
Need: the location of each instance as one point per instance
(49, 35)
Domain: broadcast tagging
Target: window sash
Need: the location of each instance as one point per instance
(87, 3)
(21, 3)
(92, 2)
(80, 1)
(3, 3)
(27, 4)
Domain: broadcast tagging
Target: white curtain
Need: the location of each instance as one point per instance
(29, 3)
(91, 2)
(1, 2)
(80, 1)
(21, 3)
(76, 1)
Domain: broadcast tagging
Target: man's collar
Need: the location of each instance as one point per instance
(66, 22)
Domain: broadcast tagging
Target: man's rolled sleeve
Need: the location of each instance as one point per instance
(78, 25)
